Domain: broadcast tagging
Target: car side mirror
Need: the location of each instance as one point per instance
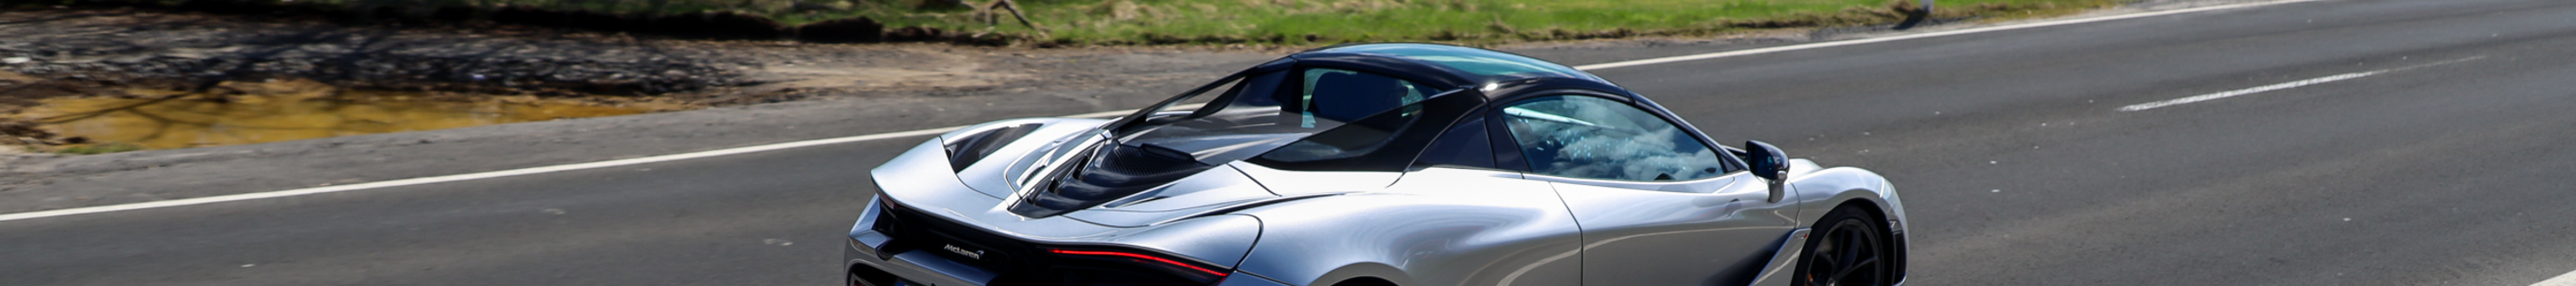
(1770, 164)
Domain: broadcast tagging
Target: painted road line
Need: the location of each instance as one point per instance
(2568, 279)
(2258, 89)
(881, 136)
(504, 173)
(471, 176)
(1923, 35)
(2281, 86)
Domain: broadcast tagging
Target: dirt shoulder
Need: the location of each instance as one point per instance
(123, 47)
(98, 52)
(1120, 81)
(131, 47)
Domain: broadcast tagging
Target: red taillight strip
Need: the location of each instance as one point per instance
(1141, 256)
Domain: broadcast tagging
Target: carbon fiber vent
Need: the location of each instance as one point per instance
(1103, 174)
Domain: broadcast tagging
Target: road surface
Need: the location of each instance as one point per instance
(2358, 142)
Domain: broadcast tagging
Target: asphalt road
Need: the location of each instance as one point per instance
(2446, 162)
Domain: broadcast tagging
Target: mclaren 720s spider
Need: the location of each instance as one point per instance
(1374, 164)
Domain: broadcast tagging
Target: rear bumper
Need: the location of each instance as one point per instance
(923, 268)
(916, 266)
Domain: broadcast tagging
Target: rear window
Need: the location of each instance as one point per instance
(1387, 141)
(1260, 113)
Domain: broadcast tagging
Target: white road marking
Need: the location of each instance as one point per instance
(468, 176)
(934, 131)
(501, 173)
(1923, 35)
(2258, 89)
(2281, 86)
(2568, 279)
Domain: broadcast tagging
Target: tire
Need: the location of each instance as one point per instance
(1847, 247)
(1364, 281)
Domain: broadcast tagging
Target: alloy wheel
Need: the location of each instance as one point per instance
(1848, 253)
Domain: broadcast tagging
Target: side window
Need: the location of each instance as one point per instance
(1464, 145)
(1598, 138)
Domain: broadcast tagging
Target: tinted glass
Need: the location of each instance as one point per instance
(1470, 60)
(1264, 112)
(1598, 138)
(1387, 141)
(1238, 121)
(1464, 145)
(1343, 96)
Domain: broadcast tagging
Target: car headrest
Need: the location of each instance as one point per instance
(1346, 97)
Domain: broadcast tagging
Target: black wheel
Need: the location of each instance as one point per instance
(1365, 281)
(1847, 247)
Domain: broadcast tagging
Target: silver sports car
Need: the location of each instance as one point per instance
(1374, 164)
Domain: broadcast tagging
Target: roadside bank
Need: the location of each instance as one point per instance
(131, 54)
(283, 110)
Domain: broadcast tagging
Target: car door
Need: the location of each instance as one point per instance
(1656, 204)
(1541, 248)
